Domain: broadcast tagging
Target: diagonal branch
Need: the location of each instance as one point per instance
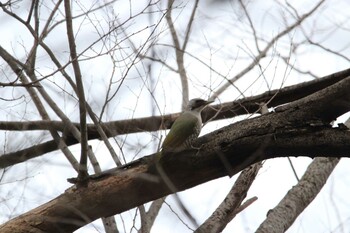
(57, 140)
(263, 52)
(227, 210)
(138, 182)
(247, 105)
(80, 92)
(280, 218)
(113, 128)
(179, 55)
(189, 25)
(225, 151)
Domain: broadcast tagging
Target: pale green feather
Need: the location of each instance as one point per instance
(183, 128)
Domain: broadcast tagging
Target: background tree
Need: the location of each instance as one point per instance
(89, 86)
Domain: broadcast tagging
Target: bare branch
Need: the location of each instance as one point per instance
(97, 124)
(263, 53)
(15, 66)
(179, 56)
(113, 128)
(248, 105)
(299, 197)
(80, 92)
(14, 84)
(189, 25)
(338, 54)
(139, 182)
(256, 39)
(228, 209)
(191, 167)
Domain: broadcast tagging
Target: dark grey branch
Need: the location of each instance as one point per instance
(139, 182)
(222, 111)
(299, 129)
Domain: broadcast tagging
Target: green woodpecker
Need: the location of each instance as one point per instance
(186, 127)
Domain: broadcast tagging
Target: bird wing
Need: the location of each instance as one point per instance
(180, 131)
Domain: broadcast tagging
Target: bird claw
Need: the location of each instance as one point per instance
(197, 148)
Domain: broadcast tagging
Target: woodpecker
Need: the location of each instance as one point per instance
(186, 127)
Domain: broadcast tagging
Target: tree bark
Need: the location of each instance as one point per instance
(118, 190)
(301, 128)
(215, 112)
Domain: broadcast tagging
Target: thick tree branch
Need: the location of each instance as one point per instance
(302, 129)
(247, 105)
(114, 128)
(139, 182)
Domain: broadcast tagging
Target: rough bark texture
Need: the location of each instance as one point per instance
(113, 128)
(301, 129)
(228, 209)
(121, 189)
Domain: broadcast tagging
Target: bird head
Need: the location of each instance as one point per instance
(198, 104)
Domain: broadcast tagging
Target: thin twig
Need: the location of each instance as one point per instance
(263, 52)
(179, 56)
(83, 174)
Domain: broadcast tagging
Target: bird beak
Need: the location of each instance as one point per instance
(206, 103)
(209, 102)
